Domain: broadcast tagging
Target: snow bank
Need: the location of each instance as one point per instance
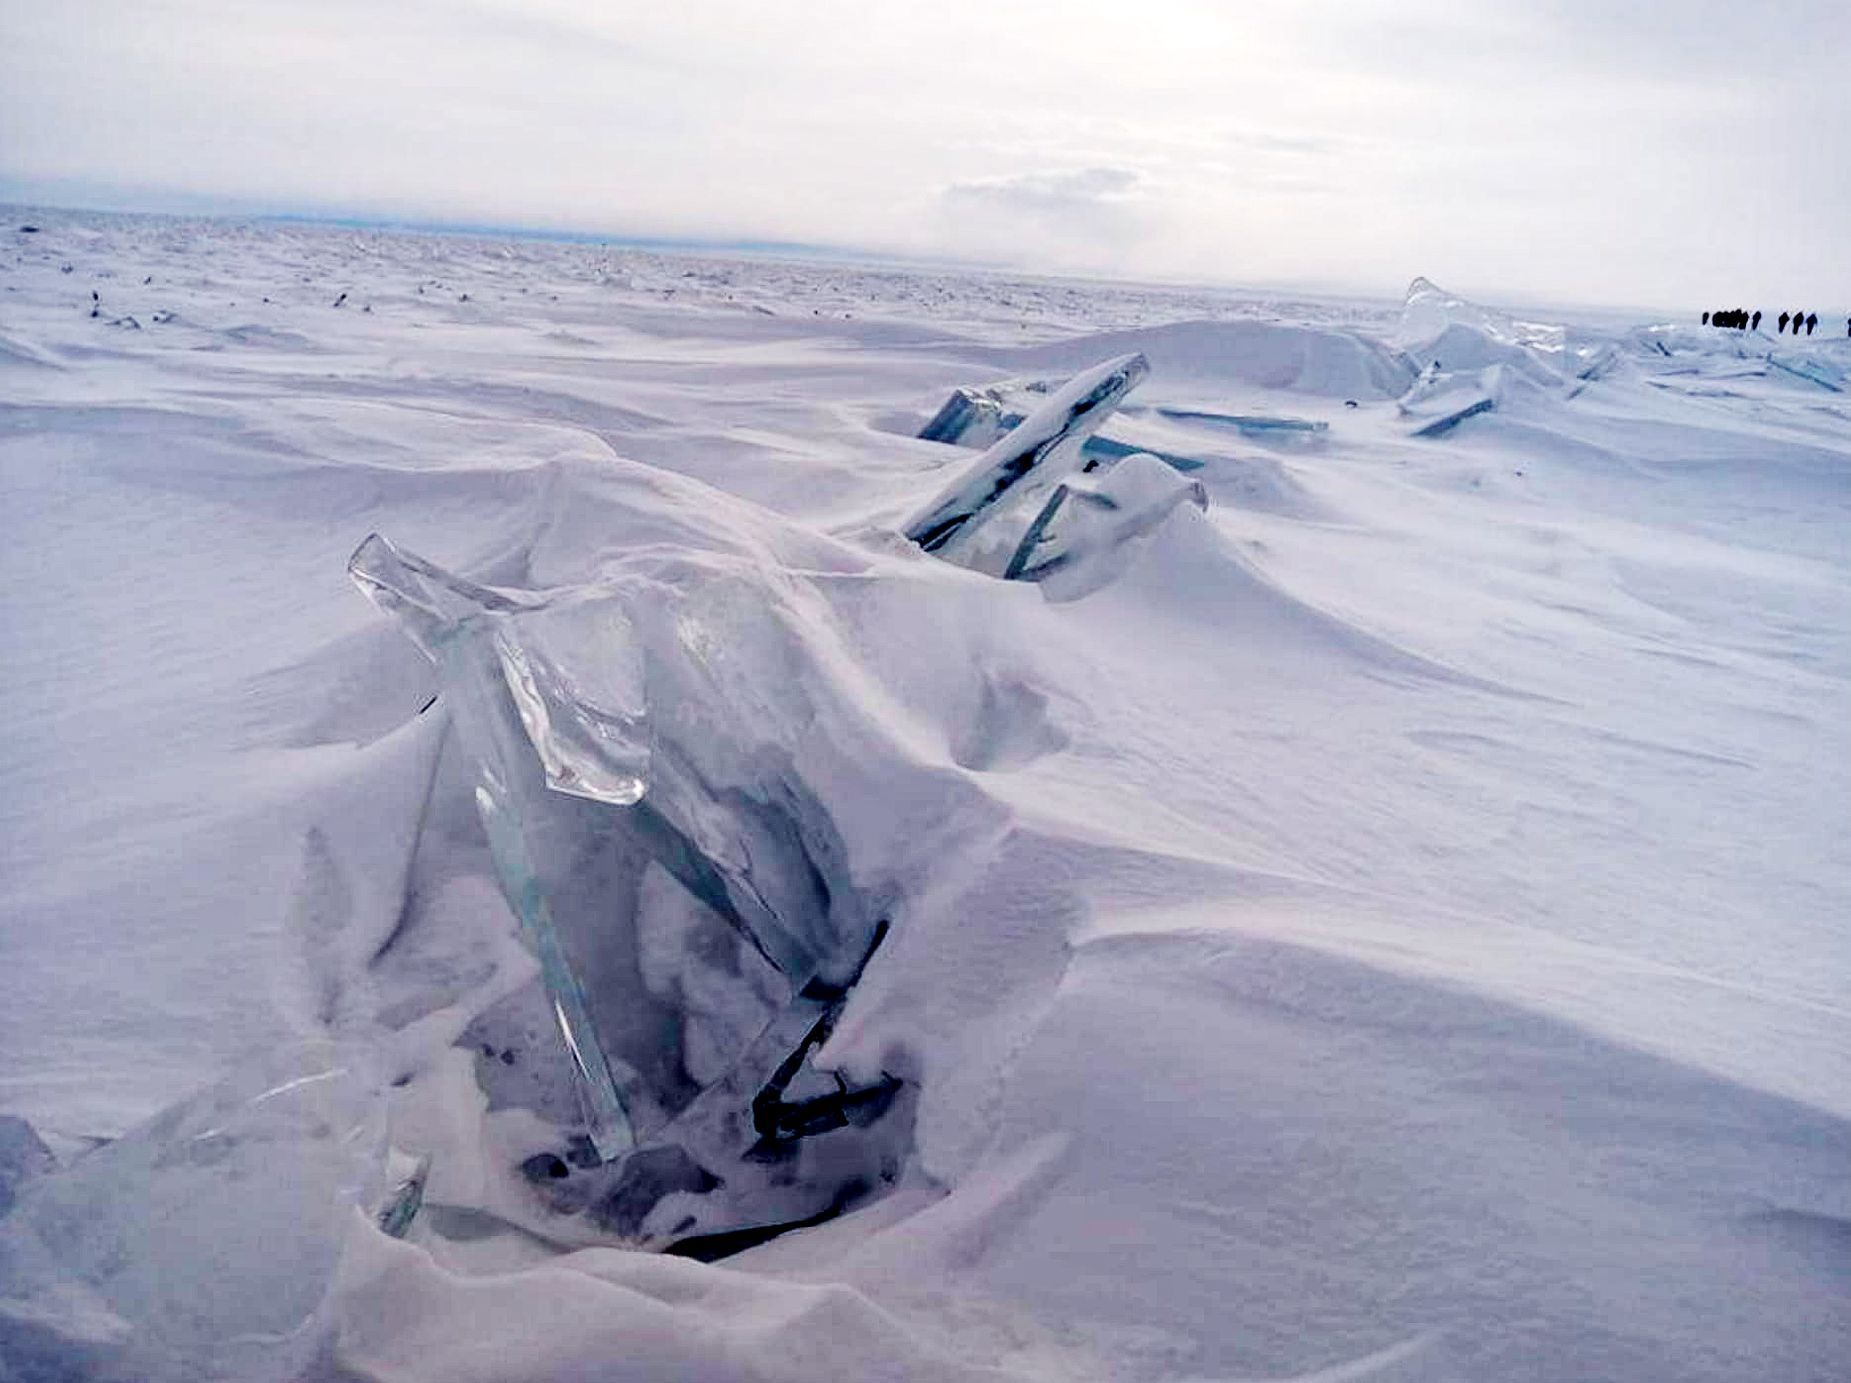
(1206, 359)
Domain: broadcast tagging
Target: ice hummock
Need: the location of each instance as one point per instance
(1084, 532)
(1032, 456)
(1442, 399)
(1471, 358)
(201, 1246)
(646, 760)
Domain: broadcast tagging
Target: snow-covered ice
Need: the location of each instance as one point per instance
(1394, 929)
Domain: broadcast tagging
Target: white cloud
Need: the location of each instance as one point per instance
(1629, 150)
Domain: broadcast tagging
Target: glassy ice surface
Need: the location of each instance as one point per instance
(1084, 531)
(1034, 455)
(1812, 370)
(1437, 326)
(1249, 424)
(1429, 313)
(201, 1245)
(1442, 399)
(978, 415)
(406, 1198)
(686, 894)
(972, 417)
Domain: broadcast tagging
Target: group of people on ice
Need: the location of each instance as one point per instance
(1751, 321)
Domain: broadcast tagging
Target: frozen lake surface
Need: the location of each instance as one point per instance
(1398, 929)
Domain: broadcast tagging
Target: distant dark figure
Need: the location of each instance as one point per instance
(1754, 322)
(1783, 324)
(1798, 317)
(1706, 319)
(1812, 320)
(1741, 319)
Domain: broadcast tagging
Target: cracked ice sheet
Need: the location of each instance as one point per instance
(1406, 936)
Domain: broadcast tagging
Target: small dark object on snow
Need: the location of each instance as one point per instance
(1812, 320)
(1754, 322)
(1783, 323)
(711, 1248)
(338, 301)
(1351, 403)
(28, 230)
(545, 1167)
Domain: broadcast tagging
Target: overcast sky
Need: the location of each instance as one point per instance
(1683, 152)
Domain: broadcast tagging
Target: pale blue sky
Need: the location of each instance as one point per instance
(1685, 152)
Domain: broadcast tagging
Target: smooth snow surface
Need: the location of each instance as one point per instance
(1397, 929)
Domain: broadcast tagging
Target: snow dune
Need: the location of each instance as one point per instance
(1395, 931)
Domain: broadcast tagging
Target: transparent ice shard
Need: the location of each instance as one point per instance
(1442, 399)
(464, 628)
(1811, 369)
(689, 898)
(1083, 532)
(1254, 424)
(1440, 328)
(1466, 335)
(973, 417)
(406, 1199)
(200, 1246)
(1033, 455)
(977, 416)
(23, 1155)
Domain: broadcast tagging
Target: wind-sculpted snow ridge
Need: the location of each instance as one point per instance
(1197, 360)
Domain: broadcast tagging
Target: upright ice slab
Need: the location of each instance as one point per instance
(648, 752)
(979, 416)
(1033, 455)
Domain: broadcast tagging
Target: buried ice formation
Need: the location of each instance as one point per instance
(1034, 453)
(654, 825)
(1089, 521)
(203, 1244)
